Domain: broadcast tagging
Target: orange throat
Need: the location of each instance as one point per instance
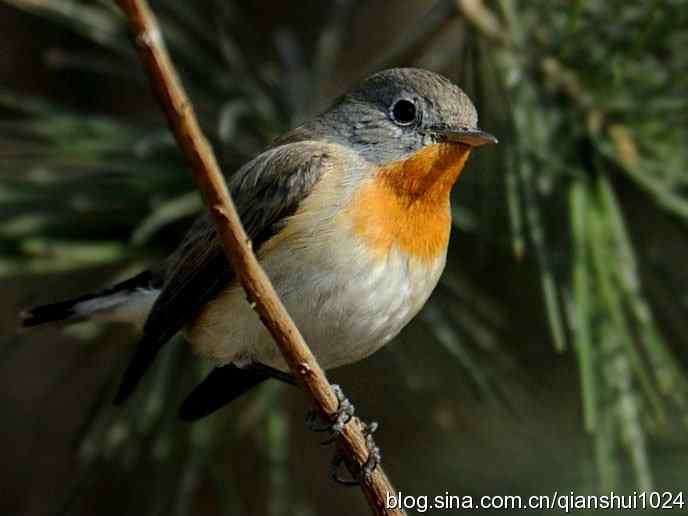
(406, 205)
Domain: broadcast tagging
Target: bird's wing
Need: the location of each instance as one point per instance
(266, 192)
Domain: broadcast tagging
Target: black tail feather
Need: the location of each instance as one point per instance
(65, 310)
(223, 385)
(52, 312)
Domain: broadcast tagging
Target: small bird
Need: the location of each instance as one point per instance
(349, 214)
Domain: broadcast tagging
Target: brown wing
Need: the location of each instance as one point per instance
(266, 191)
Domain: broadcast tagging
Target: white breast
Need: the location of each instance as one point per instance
(346, 304)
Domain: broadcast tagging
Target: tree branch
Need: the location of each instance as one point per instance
(260, 292)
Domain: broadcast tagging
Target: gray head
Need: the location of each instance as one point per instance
(396, 112)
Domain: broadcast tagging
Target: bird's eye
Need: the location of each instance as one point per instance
(404, 112)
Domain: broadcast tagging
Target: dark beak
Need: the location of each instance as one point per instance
(473, 137)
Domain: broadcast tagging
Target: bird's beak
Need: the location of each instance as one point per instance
(473, 137)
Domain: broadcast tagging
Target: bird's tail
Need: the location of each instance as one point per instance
(128, 301)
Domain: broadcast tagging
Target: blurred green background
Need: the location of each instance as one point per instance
(553, 354)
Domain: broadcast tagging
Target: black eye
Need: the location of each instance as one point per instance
(404, 112)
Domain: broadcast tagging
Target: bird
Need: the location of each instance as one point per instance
(349, 215)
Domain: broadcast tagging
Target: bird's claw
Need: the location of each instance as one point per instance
(344, 414)
(366, 471)
(345, 411)
(374, 452)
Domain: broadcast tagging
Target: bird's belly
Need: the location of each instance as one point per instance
(346, 303)
(353, 313)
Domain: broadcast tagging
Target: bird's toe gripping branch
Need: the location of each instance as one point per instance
(366, 472)
(344, 414)
(345, 411)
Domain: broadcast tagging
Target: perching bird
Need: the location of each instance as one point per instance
(349, 216)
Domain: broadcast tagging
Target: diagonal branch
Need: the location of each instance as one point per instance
(237, 246)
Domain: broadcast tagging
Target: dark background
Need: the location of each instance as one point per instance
(472, 398)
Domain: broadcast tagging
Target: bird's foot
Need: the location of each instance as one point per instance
(366, 471)
(345, 411)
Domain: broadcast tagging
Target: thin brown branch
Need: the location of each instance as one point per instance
(260, 292)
